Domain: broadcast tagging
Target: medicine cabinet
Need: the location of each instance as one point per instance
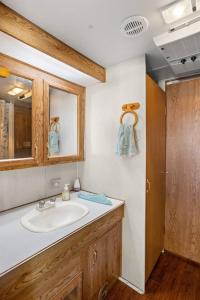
(41, 117)
(64, 116)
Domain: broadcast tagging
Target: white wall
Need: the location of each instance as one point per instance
(119, 177)
(18, 187)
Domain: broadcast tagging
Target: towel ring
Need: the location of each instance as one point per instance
(130, 112)
(54, 124)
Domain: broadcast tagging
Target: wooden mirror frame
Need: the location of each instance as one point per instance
(80, 93)
(40, 118)
(25, 71)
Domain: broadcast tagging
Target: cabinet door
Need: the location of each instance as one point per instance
(104, 263)
(114, 247)
(97, 273)
(21, 116)
(63, 121)
(156, 170)
(72, 291)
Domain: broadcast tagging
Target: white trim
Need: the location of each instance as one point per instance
(132, 286)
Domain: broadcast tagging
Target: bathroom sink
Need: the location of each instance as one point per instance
(62, 214)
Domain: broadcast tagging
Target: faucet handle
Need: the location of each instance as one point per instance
(52, 200)
(41, 203)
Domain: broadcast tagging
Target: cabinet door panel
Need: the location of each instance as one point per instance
(114, 253)
(72, 290)
(63, 121)
(156, 170)
(21, 116)
(104, 263)
(97, 266)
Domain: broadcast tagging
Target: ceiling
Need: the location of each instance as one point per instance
(6, 84)
(92, 26)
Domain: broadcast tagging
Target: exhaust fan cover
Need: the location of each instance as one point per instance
(134, 26)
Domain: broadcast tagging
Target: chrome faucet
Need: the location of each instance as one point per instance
(52, 201)
(43, 204)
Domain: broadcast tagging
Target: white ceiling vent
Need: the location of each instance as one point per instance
(134, 26)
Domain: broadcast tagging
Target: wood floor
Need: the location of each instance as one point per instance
(172, 279)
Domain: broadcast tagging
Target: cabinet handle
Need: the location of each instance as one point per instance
(148, 186)
(94, 257)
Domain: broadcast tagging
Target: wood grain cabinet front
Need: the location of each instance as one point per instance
(83, 266)
(42, 117)
(104, 263)
(71, 291)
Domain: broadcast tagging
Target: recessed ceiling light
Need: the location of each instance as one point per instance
(177, 10)
(15, 91)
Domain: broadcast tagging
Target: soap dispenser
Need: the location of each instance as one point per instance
(66, 193)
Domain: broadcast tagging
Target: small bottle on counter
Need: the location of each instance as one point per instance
(77, 185)
(66, 193)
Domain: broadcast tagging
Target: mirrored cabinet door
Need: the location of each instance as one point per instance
(64, 122)
(20, 115)
(15, 117)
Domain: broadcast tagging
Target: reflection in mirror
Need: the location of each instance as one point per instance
(15, 117)
(63, 135)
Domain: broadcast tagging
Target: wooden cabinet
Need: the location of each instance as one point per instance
(29, 100)
(104, 263)
(114, 248)
(71, 291)
(23, 139)
(85, 265)
(97, 261)
(64, 103)
(156, 170)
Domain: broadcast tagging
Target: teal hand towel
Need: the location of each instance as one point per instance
(127, 141)
(53, 142)
(100, 198)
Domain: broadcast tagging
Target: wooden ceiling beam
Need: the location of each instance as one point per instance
(27, 32)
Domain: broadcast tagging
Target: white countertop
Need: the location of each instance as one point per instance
(18, 244)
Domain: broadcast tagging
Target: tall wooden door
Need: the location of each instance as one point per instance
(183, 165)
(156, 170)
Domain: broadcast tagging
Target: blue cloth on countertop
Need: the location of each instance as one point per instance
(100, 198)
(127, 141)
(54, 142)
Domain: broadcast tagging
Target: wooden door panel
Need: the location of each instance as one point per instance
(156, 170)
(70, 291)
(114, 248)
(104, 263)
(97, 266)
(183, 165)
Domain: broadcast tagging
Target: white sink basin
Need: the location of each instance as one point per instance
(62, 214)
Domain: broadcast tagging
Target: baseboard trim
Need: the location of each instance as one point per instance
(135, 288)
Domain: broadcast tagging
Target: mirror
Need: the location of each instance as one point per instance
(63, 123)
(15, 118)
(41, 117)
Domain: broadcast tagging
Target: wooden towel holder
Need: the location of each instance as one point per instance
(130, 108)
(54, 124)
